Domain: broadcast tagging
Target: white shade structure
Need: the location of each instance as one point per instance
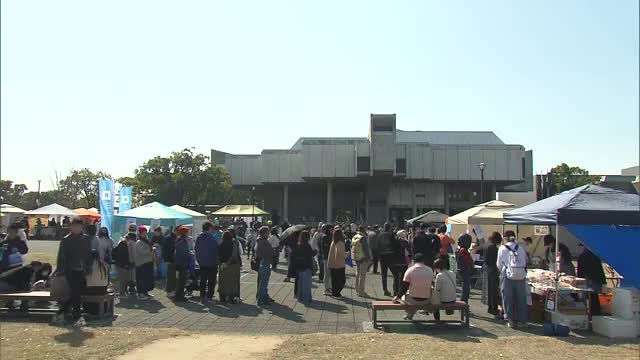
(198, 218)
(52, 210)
(487, 213)
(10, 209)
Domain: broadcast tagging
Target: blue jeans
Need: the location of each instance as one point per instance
(264, 271)
(466, 286)
(161, 269)
(514, 299)
(304, 286)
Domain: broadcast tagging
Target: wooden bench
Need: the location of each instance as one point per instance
(389, 305)
(105, 302)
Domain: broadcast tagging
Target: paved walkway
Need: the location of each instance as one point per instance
(350, 314)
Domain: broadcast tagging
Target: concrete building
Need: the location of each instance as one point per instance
(389, 175)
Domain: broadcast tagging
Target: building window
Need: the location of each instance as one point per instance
(524, 170)
(401, 166)
(380, 127)
(363, 163)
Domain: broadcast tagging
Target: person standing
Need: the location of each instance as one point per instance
(391, 258)
(252, 238)
(416, 286)
(421, 242)
(181, 261)
(124, 267)
(230, 262)
(274, 240)
(512, 264)
(465, 265)
(303, 263)
(74, 263)
(325, 244)
(336, 262)
(491, 275)
(373, 237)
(168, 255)
(446, 245)
(264, 254)
(207, 257)
(315, 245)
(105, 246)
(361, 254)
(590, 268)
(144, 265)
(156, 242)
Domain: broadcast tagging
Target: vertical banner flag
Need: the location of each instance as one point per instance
(125, 199)
(106, 192)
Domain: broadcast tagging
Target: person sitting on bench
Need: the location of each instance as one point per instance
(416, 286)
(445, 286)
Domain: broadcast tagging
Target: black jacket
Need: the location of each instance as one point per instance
(169, 248)
(325, 244)
(491, 257)
(303, 257)
(590, 267)
(387, 244)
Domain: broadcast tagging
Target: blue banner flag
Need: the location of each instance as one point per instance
(107, 194)
(125, 199)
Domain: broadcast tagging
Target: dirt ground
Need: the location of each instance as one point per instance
(236, 347)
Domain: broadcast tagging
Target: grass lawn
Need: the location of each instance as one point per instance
(40, 341)
(396, 346)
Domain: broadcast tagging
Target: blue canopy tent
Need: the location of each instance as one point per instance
(604, 220)
(146, 214)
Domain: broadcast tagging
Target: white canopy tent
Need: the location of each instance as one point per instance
(198, 218)
(9, 214)
(52, 210)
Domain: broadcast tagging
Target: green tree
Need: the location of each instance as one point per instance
(11, 193)
(80, 188)
(137, 195)
(565, 177)
(183, 178)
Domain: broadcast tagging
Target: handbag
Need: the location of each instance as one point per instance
(99, 276)
(254, 264)
(60, 288)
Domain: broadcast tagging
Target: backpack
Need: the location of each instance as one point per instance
(514, 269)
(357, 249)
(121, 255)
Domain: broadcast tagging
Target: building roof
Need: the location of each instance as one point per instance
(449, 137)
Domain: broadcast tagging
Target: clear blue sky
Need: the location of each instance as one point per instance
(108, 85)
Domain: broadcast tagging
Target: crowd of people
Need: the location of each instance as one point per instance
(424, 263)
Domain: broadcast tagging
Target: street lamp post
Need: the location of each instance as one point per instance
(482, 166)
(253, 204)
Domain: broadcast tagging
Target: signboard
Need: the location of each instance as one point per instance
(550, 301)
(540, 230)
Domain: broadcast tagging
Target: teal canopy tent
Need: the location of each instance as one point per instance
(153, 213)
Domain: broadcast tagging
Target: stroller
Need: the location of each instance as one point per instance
(193, 280)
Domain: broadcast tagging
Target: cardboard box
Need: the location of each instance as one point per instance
(572, 321)
(614, 327)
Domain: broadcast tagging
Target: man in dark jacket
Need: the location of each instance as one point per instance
(181, 261)
(168, 255)
(391, 258)
(74, 263)
(207, 257)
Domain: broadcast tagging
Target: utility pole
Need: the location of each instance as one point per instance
(38, 197)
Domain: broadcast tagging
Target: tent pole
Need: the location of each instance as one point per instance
(557, 267)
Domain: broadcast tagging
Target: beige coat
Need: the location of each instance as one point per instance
(337, 255)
